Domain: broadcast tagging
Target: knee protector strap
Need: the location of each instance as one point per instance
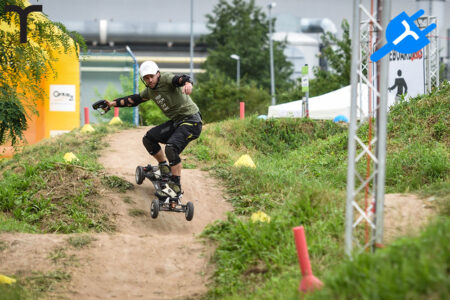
(172, 155)
(151, 146)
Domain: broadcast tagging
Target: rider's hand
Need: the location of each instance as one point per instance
(187, 88)
(110, 104)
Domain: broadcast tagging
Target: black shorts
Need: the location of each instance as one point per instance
(179, 135)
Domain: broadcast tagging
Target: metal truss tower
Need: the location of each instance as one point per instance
(365, 191)
(431, 53)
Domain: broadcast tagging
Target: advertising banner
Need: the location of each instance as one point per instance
(406, 75)
(62, 97)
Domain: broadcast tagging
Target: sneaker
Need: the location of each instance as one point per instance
(165, 171)
(176, 187)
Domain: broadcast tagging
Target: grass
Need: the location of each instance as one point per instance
(128, 200)
(40, 192)
(410, 268)
(45, 282)
(117, 183)
(14, 292)
(300, 179)
(136, 212)
(33, 286)
(3, 245)
(80, 241)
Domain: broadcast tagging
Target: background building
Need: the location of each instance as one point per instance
(161, 30)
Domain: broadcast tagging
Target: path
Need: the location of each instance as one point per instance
(145, 258)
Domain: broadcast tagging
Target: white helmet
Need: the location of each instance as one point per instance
(148, 67)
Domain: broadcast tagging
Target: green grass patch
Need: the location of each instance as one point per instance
(9, 224)
(300, 179)
(34, 286)
(45, 282)
(40, 192)
(80, 241)
(128, 200)
(3, 245)
(14, 292)
(410, 268)
(117, 183)
(136, 212)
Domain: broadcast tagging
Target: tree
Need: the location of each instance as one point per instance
(338, 54)
(242, 28)
(24, 65)
(218, 98)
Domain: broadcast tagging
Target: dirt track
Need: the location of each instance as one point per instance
(146, 258)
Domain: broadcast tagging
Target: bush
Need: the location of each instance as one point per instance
(409, 269)
(218, 98)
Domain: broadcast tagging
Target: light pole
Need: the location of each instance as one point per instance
(272, 76)
(191, 44)
(238, 73)
(135, 85)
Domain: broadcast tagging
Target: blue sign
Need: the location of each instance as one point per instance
(404, 36)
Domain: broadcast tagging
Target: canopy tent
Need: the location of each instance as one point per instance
(326, 106)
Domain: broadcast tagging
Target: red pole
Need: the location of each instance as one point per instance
(309, 281)
(86, 115)
(116, 111)
(242, 110)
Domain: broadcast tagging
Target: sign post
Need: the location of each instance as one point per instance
(305, 88)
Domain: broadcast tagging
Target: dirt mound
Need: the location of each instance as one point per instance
(146, 258)
(405, 214)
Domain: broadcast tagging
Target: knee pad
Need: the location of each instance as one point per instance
(172, 155)
(152, 146)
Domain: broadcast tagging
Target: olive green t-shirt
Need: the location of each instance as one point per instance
(171, 100)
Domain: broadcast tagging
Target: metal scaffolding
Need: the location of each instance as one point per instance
(431, 53)
(365, 192)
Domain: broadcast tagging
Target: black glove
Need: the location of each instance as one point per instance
(101, 104)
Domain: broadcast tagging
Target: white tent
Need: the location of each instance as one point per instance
(326, 106)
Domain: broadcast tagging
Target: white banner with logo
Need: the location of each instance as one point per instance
(406, 75)
(62, 97)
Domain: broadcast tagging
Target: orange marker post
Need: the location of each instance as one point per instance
(86, 115)
(87, 127)
(309, 282)
(242, 110)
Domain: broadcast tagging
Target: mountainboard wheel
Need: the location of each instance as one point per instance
(139, 175)
(154, 208)
(189, 211)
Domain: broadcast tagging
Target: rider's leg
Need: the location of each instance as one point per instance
(160, 157)
(182, 136)
(176, 169)
(162, 164)
(151, 140)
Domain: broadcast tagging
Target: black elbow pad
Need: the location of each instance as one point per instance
(129, 101)
(176, 82)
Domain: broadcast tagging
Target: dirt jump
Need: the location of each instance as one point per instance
(144, 258)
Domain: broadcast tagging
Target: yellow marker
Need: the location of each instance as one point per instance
(260, 217)
(70, 157)
(87, 128)
(245, 161)
(115, 121)
(6, 279)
